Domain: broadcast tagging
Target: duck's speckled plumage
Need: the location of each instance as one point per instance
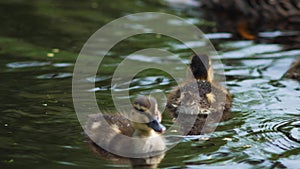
(199, 99)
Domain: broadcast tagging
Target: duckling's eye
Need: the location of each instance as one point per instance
(141, 116)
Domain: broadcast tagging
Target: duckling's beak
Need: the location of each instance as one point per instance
(157, 126)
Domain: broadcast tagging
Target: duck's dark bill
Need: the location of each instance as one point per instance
(157, 126)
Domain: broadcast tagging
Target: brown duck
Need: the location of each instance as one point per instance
(200, 100)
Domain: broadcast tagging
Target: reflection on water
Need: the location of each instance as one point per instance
(38, 125)
(26, 64)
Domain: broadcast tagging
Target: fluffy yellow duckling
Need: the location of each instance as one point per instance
(138, 137)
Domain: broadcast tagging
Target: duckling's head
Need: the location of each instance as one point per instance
(201, 67)
(145, 116)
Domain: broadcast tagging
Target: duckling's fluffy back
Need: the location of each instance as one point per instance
(200, 100)
(114, 132)
(192, 104)
(189, 98)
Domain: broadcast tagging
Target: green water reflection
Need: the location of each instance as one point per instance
(39, 43)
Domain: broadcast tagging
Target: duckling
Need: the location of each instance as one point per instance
(200, 99)
(138, 139)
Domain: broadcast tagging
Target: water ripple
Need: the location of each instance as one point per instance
(55, 76)
(16, 65)
(251, 51)
(275, 137)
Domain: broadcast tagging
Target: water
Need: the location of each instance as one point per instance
(38, 124)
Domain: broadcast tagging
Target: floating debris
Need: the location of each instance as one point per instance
(227, 139)
(50, 54)
(55, 50)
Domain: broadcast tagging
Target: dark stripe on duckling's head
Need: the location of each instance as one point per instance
(147, 105)
(146, 112)
(200, 65)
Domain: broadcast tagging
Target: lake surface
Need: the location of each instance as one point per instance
(39, 44)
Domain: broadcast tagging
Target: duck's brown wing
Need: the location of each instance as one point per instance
(121, 123)
(118, 123)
